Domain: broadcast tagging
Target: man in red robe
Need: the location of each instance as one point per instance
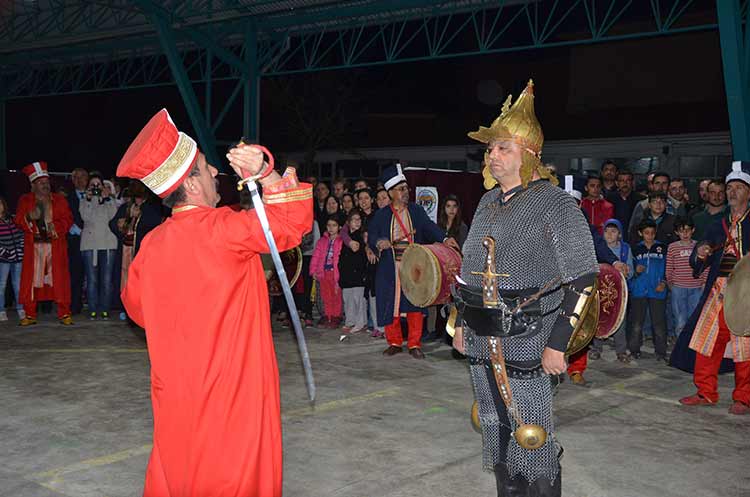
(197, 287)
(45, 219)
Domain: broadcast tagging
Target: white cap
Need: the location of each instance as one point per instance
(740, 172)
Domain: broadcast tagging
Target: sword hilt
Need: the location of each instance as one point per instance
(265, 172)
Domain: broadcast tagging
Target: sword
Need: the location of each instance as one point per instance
(260, 210)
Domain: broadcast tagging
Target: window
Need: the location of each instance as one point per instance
(696, 166)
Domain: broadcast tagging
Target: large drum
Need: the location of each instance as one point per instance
(736, 298)
(603, 312)
(427, 272)
(292, 262)
(613, 300)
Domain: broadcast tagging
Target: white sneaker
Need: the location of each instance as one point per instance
(3, 316)
(21, 314)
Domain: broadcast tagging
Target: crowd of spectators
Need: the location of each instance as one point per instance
(652, 232)
(109, 220)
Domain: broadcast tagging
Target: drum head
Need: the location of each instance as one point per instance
(613, 300)
(420, 275)
(736, 298)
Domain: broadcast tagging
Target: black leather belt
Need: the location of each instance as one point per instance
(518, 370)
(489, 321)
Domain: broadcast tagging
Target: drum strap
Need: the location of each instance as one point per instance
(730, 233)
(408, 234)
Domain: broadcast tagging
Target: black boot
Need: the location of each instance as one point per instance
(519, 487)
(542, 487)
(510, 487)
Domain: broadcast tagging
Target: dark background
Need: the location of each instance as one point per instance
(640, 87)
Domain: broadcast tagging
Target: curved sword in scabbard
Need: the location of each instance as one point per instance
(260, 210)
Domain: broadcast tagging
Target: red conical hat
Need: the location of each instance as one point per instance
(36, 170)
(160, 156)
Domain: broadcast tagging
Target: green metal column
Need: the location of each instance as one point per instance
(733, 54)
(251, 103)
(167, 39)
(3, 142)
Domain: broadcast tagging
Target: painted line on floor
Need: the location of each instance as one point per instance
(646, 396)
(624, 387)
(115, 350)
(53, 479)
(339, 403)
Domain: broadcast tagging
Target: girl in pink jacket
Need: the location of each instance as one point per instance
(324, 267)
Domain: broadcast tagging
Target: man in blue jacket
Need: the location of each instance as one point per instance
(391, 231)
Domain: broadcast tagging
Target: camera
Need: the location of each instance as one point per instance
(96, 191)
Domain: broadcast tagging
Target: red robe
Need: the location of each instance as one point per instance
(62, 220)
(197, 286)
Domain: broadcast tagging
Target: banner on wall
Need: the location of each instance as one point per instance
(427, 197)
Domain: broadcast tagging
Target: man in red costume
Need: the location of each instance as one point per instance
(45, 219)
(197, 287)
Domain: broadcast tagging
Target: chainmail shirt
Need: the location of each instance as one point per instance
(540, 234)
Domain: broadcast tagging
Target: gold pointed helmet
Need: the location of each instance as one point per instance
(519, 124)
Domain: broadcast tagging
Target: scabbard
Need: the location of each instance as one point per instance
(293, 315)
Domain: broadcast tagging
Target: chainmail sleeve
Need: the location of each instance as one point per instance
(572, 243)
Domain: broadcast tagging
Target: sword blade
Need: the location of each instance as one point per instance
(260, 210)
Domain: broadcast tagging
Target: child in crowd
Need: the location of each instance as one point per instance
(324, 267)
(686, 290)
(382, 199)
(648, 288)
(352, 273)
(613, 237)
(11, 257)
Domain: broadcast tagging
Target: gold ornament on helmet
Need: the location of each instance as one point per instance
(518, 123)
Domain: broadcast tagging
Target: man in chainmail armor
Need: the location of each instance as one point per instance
(543, 247)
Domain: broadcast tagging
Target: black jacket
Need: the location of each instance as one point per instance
(150, 219)
(74, 202)
(353, 265)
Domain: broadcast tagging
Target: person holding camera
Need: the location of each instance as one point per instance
(133, 220)
(98, 245)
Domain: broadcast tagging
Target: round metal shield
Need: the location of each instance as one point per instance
(585, 328)
(613, 300)
(736, 298)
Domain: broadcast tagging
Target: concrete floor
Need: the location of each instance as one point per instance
(75, 420)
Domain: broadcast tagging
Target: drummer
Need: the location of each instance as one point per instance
(726, 242)
(391, 231)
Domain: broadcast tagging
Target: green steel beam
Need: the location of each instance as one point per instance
(444, 30)
(251, 102)
(208, 87)
(733, 55)
(166, 36)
